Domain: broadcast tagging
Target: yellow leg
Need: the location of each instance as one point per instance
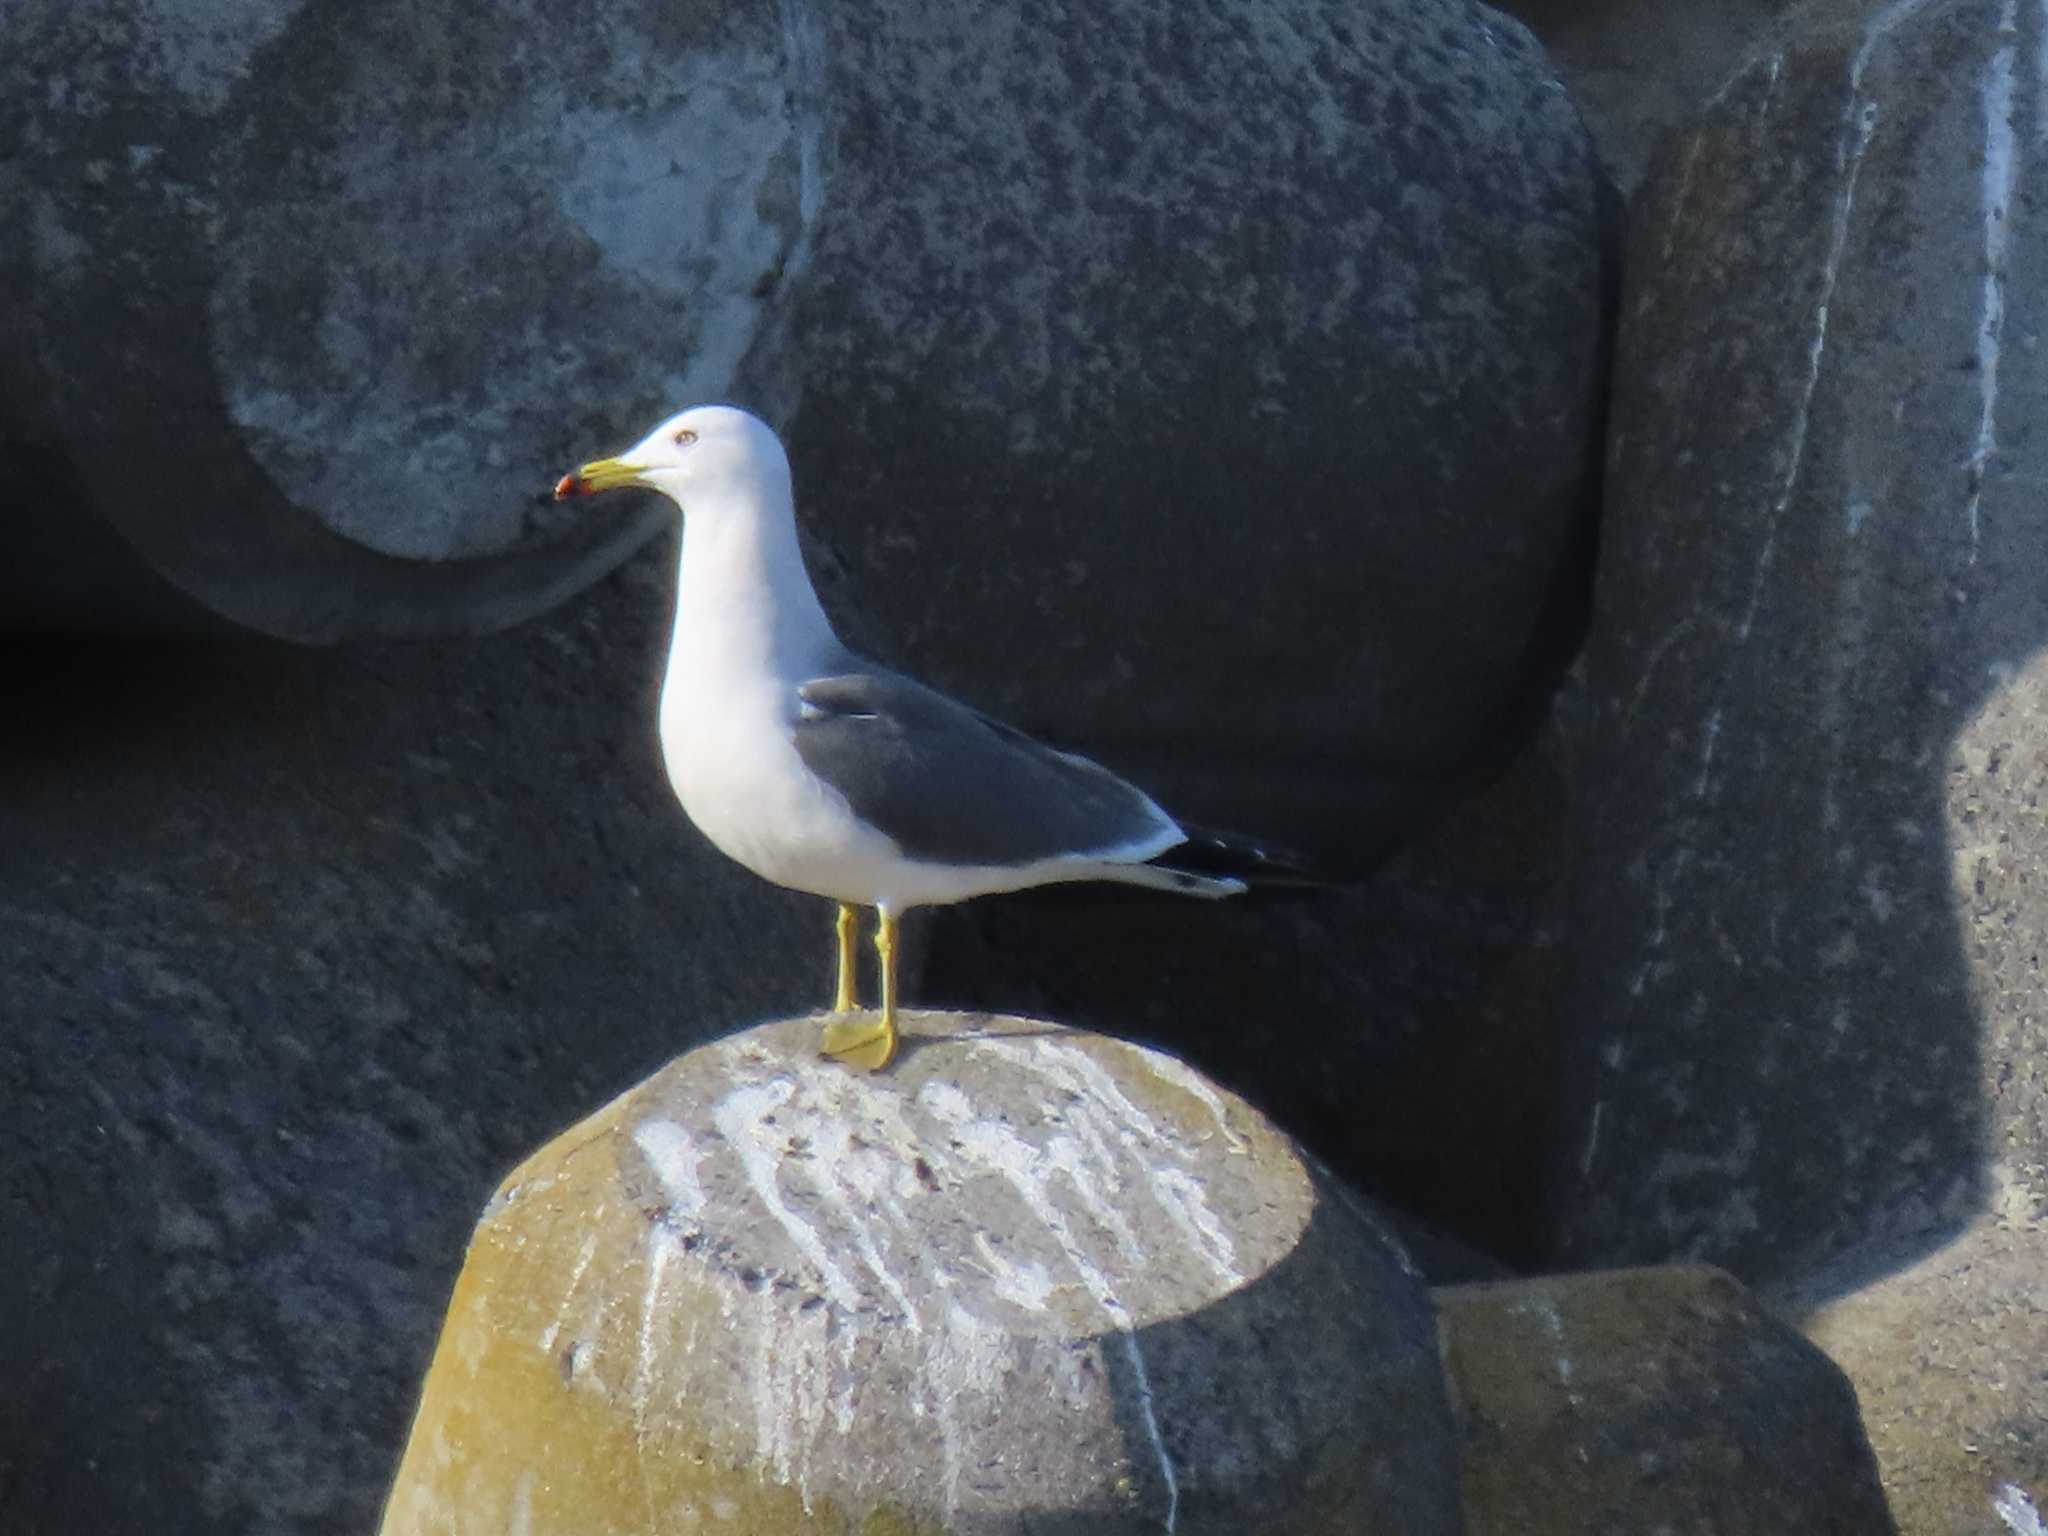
(846, 999)
(885, 947)
(867, 1042)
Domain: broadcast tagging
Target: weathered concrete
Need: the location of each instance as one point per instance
(1806, 1009)
(1026, 1280)
(1818, 568)
(298, 952)
(1638, 68)
(1649, 1400)
(1300, 320)
(1950, 1359)
(1193, 387)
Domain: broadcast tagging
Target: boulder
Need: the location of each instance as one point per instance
(299, 950)
(1804, 1009)
(1817, 575)
(1950, 1359)
(1115, 387)
(1637, 67)
(1627, 1400)
(1028, 1279)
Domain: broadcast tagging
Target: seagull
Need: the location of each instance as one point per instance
(821, 771)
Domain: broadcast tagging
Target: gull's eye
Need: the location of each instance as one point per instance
(685, 437)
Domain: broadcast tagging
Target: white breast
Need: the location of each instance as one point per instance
(735, 768)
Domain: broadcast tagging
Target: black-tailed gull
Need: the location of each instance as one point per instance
(823, 772)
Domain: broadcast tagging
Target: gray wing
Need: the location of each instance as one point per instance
(952, 786)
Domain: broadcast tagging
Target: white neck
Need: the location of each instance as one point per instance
(744, 604)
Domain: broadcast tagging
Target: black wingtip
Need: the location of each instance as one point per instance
(1259, 862)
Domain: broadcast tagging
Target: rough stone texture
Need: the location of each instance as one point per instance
(1179, 387)
(321, 303)
(1950, 1359)
(1636, 68)
(1806, 1005)
(298, 951)
(1027, 1280)
(1649, 1400)
(1299, 318)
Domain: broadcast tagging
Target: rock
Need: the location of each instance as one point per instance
(1294, 416)
(1950, 1359)
(1203, 392)
(1636, 68)
(1027, 1279)
(1805, 1014)
(1816, 572)
(298, 952)
(1654, 1399)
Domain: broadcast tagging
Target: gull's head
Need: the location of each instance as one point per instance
(698, 454)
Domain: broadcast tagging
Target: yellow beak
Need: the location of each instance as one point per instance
(597, 475)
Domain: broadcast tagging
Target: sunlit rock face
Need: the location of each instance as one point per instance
(1026, 1275)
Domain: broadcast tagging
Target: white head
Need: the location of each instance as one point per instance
(703, 455)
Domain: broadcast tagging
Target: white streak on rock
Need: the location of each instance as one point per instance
(1710, 735)
(842, 1166)
(1172, 1070)
(771, 1415)
(1077, 1073)
(966, 1360)
(661, 1246)
(1027, 1171)
(1660, 903)
(2016, 1509)
(739, 1117)
(1544, 1308)
(1859, 124)
(1092, 1177)
(1678, 198)
(2041, 76)
(1102, 1112)
(553, 1331)
(674, 1156)
(520, 1521)
(1151, 1417)
(1027, 1285)
(1187, 1206)
(2001, 180)
(792, 1384)
(1713, 104)
(1648, 672)
(842, 1400)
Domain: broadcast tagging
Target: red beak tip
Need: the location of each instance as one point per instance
(568, 486)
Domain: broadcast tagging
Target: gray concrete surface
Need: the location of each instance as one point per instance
(1649, 1400)
(298, 952)
(1089, 353)
(1804, 1010)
